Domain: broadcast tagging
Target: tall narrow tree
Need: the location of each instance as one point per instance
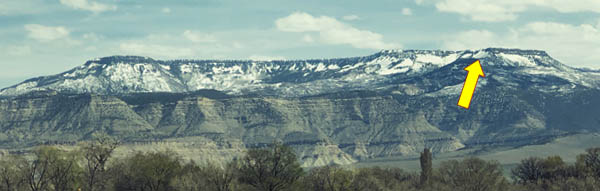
(426, 167)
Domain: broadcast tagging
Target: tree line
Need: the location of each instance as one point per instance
(276, 168)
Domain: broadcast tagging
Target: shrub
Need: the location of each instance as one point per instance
(472, 174)
(270, 169)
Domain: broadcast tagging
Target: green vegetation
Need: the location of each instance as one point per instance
(276, 168)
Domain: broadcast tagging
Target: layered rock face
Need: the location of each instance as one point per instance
(393, 103)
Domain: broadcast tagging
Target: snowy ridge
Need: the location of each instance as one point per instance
(385, 69)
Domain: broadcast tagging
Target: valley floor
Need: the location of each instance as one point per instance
(566, 147)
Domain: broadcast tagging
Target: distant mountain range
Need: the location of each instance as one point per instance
(392, 103)
(387, 70)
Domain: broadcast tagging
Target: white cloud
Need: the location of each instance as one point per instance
(570, 6)
(577, 45)
(332, 31)
(406, 11)
(88, 5)
(351, 17)
(265, 58)
(308, 38)
(46, 33)
(198, 37)
(166, 10)
(482, 10)
(162, 51)
(495, 11)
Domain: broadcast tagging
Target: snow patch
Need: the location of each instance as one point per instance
(166, 67)
(524, 61)
(394, 70)
(437, 60)
(320, 67)
(351, 67)
(185, 69)
(333, 67)
(481, 54)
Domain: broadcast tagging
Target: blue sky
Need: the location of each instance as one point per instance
(43, 37)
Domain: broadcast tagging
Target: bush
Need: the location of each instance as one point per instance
(276, 168)
(331, 178)
(152, 171)
(270, 169)
(53, 169)
(96, 154)
(530, 170)
(472, 174)
(588, 164)
(12, 173)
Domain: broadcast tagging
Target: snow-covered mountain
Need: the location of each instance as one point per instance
(332, 111)
(399, 70)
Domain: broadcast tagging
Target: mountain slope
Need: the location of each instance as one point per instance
(390, 104)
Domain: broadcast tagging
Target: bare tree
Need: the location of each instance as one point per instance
(271, 169)
(330, 178)
(530, 170)
(12, 175)
(96, 154)
(52, 168)
(64, 171)
(152, 171)
(220, 179)
(38, 170)
(473, 174)
(590, 161)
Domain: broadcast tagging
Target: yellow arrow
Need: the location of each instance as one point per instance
(470, 82)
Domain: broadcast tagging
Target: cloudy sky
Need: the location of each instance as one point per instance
(43, 37)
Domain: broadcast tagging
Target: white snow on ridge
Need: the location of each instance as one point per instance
(320, 67)
(437, 60)
(385, 65)
(406, 63)
(333, 67)
(520, 60)
(166, 67)
(93, 64)
(394, 70)
(401, 67)
(351, 67)
(571, 77)
(383, 61)
(185, 68)
(122, 76)
(481, 54)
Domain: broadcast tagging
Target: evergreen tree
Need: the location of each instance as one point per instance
(426, 166)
